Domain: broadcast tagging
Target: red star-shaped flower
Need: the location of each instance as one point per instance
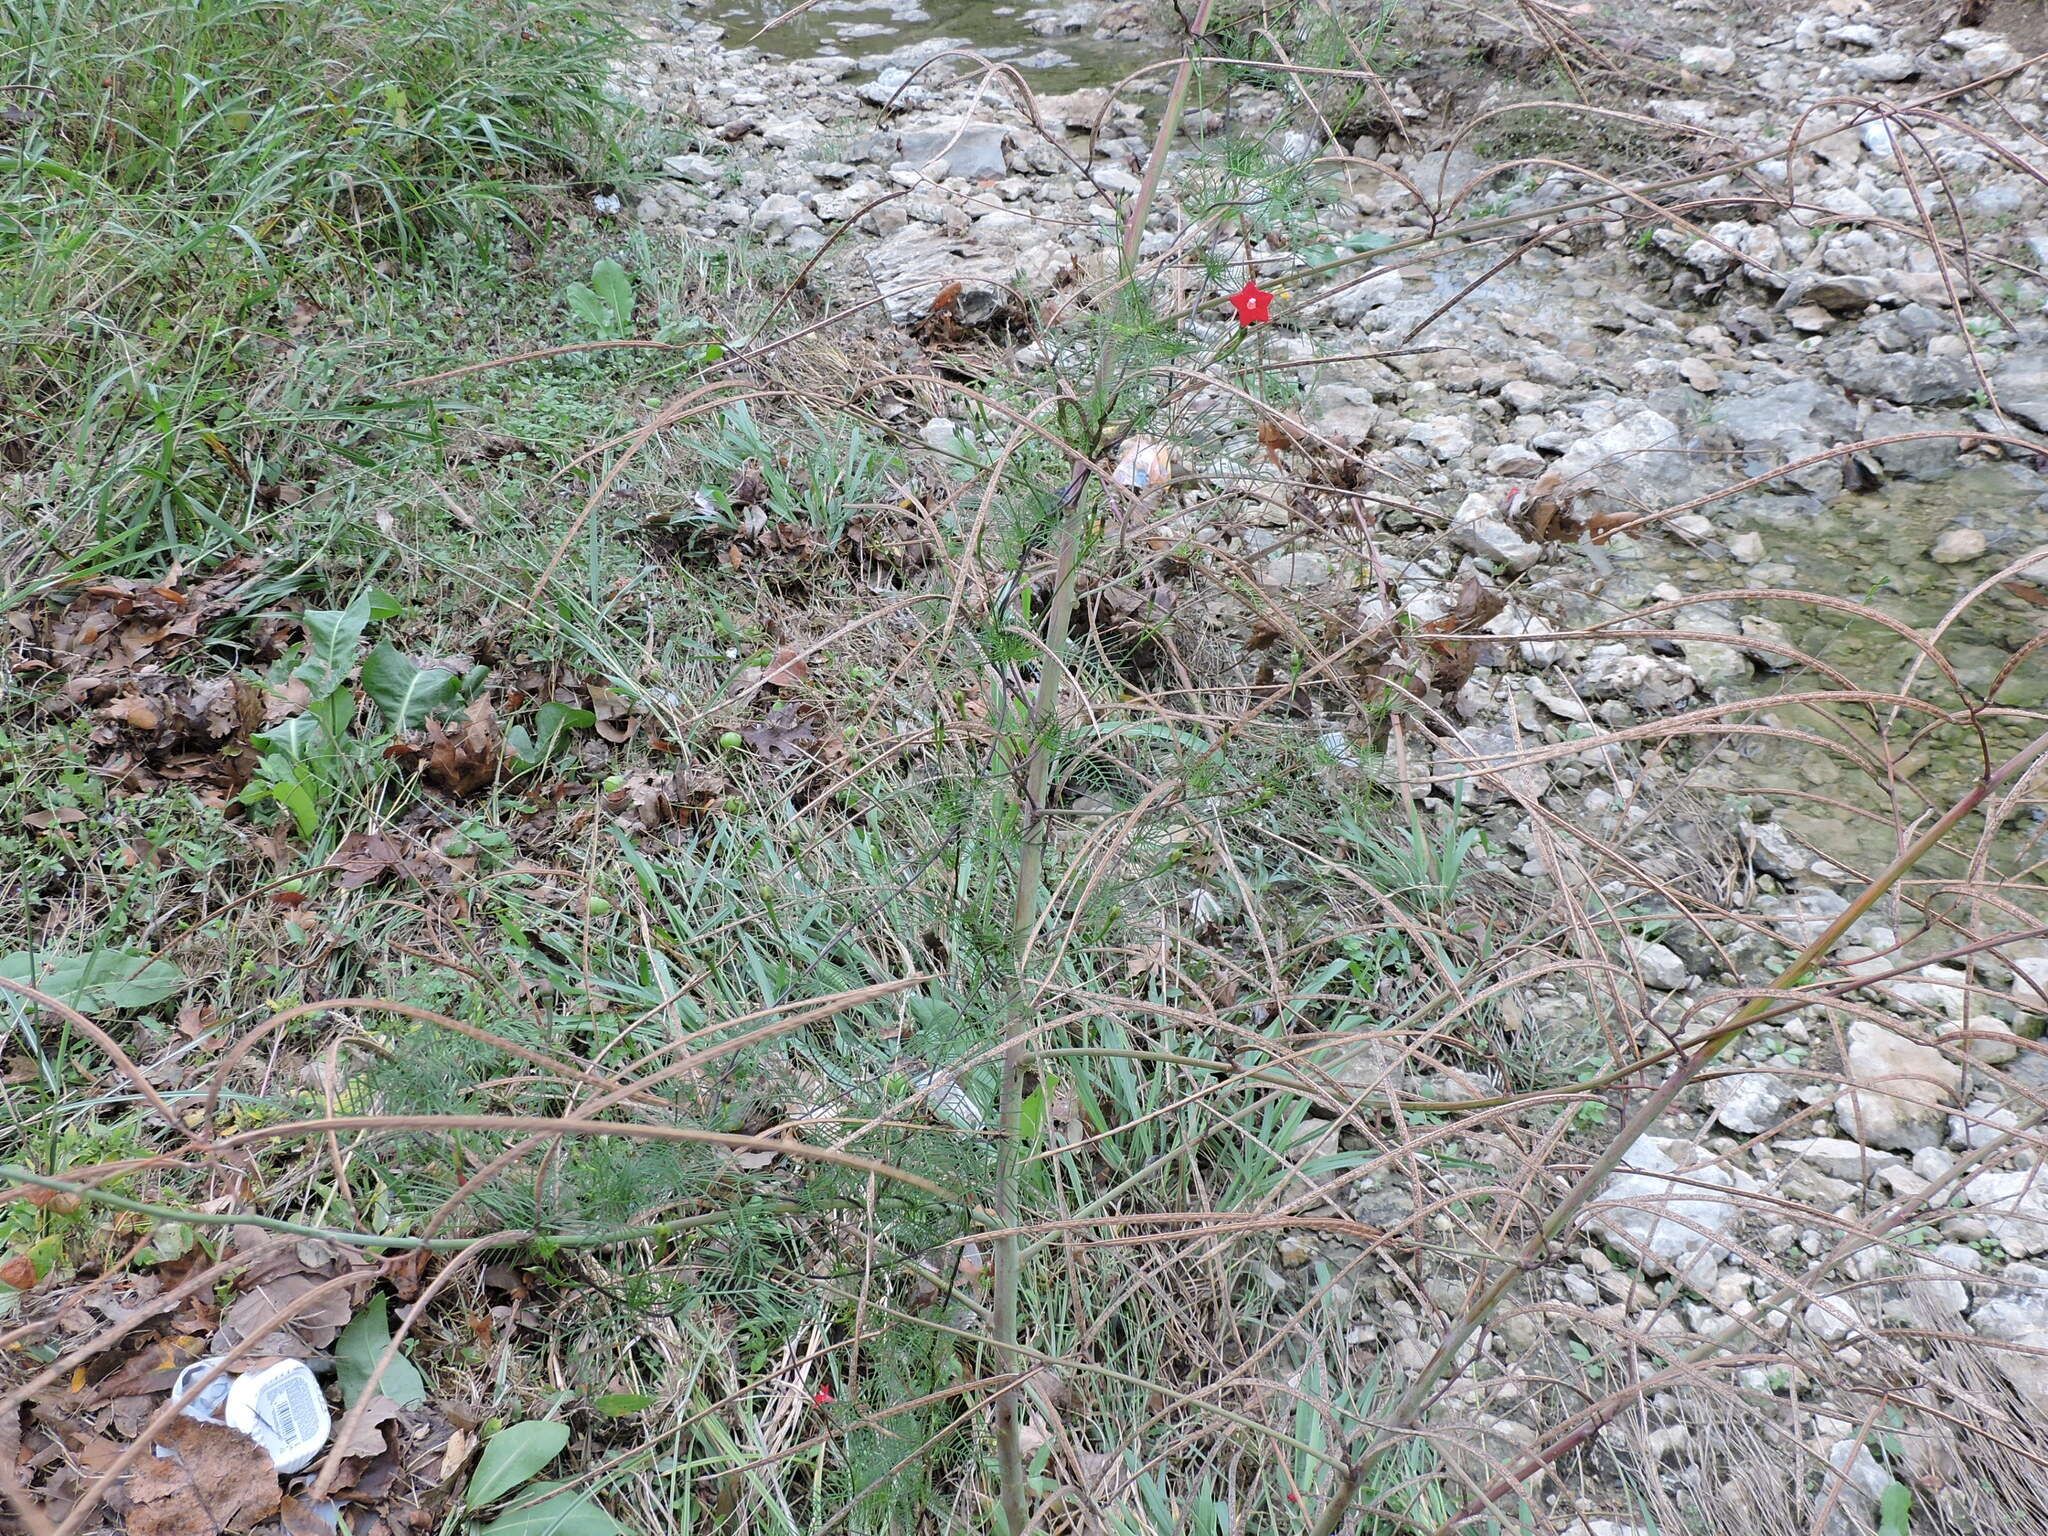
(1253, 304)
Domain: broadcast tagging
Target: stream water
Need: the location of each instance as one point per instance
(879, 34)
(1872, 549)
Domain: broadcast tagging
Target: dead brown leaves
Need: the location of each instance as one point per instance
(1128, 611)
(135, 1331)
(118, 626)
(678, 800)
(157, 726)
(272, 1309)
(1548, 513)
(462, 758)
(1404, 654)
(785, 670)
(376, 856)
(896, 540)
(1451, 661)
(208, 1480)
(110, 643)
(788, 735)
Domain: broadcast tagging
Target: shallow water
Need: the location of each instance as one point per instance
(879, 33)
(1872, 549)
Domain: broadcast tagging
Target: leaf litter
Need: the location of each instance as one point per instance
(399, 1464)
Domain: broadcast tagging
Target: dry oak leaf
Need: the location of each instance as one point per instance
(788, 668)
(213, 1480)
(783, 736)
(153, 1368)
(367, 857)
(466, 762)
(306, 1333)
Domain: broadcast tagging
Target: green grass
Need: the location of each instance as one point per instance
(189, 193)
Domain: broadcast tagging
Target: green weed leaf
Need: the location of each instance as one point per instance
(563, 1514)
(618, 1405)
(605, 304)
(1031, 1114)
(403, 693)
(361, 1346)
(616, 289)
(98, 980)
(515, 1454)
(553, 722)
(1895, 1510)
(333, 636)
(293, 739)
(590, 309)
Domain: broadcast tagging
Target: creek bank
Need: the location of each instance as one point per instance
(1619, 368)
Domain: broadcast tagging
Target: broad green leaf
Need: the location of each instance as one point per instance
(98, 980)
(168, 1240)
(616, 289)
(552, 721)
(561, 1514)
(293, 739)
(333, 636)
(361, 1346)
(514, 1455)
(592, 310)
(1895, 1510)
(617, 1405)
(1031, 1115)
(296, 795)
(403, 693)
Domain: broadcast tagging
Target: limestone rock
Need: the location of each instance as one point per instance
(1901, 1090)
(1639, 459)
(970, 149)
(2013, 1204)
(1957, 546)
(1671, 1225)
(1749, 1102)
(1659, 966)
(1478, 531)
(781, 216)
(2024, 1363)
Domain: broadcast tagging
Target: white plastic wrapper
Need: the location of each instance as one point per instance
(279, 1407)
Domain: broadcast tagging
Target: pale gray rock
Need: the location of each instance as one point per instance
(1749, 1102)
(1902, 1089)
(1838, 1159)
(2013, 1204)
(1639, 458)
(1658, 965)
(2016, 1339)
(1672, 1225)
(1476, 529)
(780, 216)
(970, 149)
(1957, 546)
